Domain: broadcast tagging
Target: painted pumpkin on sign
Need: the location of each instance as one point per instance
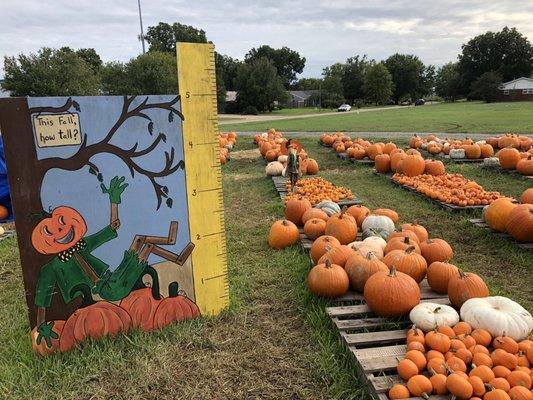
(59, 232)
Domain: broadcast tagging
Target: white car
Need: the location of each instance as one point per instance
(344, 107)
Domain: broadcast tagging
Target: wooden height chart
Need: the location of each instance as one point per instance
(197, 88)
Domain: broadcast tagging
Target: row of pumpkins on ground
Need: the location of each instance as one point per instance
(507, 216)
(271, 145)
(515, 151)
(226, 142)
(387, 266)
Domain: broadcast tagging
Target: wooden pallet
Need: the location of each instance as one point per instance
(481, 224)
(342, 156)
(506, 171)
(446, 206)
(376, 343)
(366, 161)
(446, 157)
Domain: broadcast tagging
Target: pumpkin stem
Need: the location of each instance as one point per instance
(369, 255)
(425, 396)
(410, 249)
(436, 310)
(285, 222)
(462, 274)
(406, 240)
(392, 270)
(328, 263)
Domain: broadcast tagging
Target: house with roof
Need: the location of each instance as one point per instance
(520, 89)
(302, 98)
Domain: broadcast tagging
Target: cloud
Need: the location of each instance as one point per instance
(323, 32)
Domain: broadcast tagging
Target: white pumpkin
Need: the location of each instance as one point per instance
(2, 230)
(283, 159)
(372, 248)
(368, 233)
(284, 172)
(457, 153)
(274, 168)
(491, 162)
(355, 245)
(498, 315)
(480, 142)
(375, 240)
(379, 223)
(428, 316)
(329, 207)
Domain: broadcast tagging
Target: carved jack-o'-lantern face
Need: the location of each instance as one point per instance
(59, 232)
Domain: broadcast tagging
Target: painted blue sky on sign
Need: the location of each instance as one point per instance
(138, 210)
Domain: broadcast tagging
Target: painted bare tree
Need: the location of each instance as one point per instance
(20, 149)
(128, 156)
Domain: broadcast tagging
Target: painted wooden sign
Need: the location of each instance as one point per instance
(111, 198)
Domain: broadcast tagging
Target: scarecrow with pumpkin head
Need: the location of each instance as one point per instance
(77, 272)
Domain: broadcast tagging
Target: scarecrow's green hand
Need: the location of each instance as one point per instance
(45, 331)
(116, 187)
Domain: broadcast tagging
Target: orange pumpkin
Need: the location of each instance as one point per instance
(41, 347)
(141, 306)
(314, 213)
(342, 226)
(59, 232)
(312, 167)
(408, 262)
(527, 196)
(337, 255)
(174, 309)
(4, 213)
(382, 163)
(508, 157)
(436, 250)
(388, 213)
(328, 280)
(520, 223)
(434, 167)
(413, 165)
(359, 212)
(419, 230)
(295, 209)
(439, 274)
(320, 246)
(94, 321)
(359, 268)
(464, 286)
(314, 228)
(391, 294)
(497, 213)
(283, 233)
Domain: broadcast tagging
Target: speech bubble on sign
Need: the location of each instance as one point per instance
(57, 130)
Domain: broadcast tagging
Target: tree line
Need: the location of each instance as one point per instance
(262, 79)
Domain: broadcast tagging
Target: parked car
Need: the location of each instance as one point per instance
(420, 102)
(344, 107)
(406, 103)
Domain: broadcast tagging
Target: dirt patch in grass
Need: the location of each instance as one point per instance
(245, 154)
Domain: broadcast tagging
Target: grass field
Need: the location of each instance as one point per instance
(275, 341)
(445, 117)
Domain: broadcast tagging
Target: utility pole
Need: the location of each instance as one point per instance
(141, 21)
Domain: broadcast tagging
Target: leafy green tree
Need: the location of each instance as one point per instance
(150, 73)
(507, 52)
(227, 69)
(378, 85)
(288, 62)
(486, 87)
(410, 76)
(163, 36)
(448, 81)
(353, 76)
(308, 84)
(50, 72)
(258, 85)
(92, 58)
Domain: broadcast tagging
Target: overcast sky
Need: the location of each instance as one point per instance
(322, 31)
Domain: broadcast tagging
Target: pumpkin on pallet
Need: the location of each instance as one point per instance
(328, 280)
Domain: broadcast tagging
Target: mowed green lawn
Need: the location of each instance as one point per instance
(275, 342)
(444, 117)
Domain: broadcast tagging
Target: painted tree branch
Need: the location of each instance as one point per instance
(86, 152)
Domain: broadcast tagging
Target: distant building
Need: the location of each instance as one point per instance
(302, 98)
(520, 89)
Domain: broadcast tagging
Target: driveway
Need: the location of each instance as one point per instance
(241, 119)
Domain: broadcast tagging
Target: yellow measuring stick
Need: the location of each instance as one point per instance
(197, 88)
